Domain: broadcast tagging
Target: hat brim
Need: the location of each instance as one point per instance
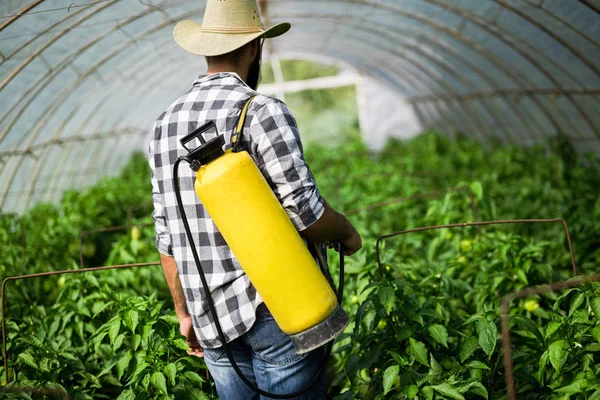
(190, 37)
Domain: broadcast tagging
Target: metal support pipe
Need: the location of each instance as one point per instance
(481, 223)
(530, 291)
(50, 273)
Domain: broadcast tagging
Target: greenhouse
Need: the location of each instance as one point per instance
(460, 140)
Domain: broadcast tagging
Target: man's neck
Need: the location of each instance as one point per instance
(215, 69)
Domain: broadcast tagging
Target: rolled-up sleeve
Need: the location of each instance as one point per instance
(278, 151)
(163, 237)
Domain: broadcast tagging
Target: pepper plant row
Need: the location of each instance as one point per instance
(427, 329)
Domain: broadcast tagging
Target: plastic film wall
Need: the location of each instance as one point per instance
(81, 83)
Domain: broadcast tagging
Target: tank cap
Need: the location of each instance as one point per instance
(208, 152)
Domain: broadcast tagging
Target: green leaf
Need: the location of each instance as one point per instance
(596, 395)
(593, 347)
(170, 371)
(140, 367)
(412, 391)
(595, 305)
(193, 377)
(171, 318)
(573, 388)
(418, 351)
(398, 358)
(477, 365)
(476, 388)
(542, 366)
(580, 317)
(596, 333)
(158, 381)
(556, 352)
(352, 366)
(181, 344)
(387, 297)
(477, 190)
(27, 359)
(553, 326)
(123, 363)
(389, 378)
(436, 368)
(468, 348)
(135, 341)
(529, 326)
(446, 389)
(427, 392)
(487, 336)
(195, 394)
(131, 320)
(439, 334)
(576, 302)
(118, 342)
(114, 331)
(126, 394)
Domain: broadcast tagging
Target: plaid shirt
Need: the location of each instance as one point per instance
(271, 138)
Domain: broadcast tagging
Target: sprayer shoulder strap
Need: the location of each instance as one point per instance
(237, 133)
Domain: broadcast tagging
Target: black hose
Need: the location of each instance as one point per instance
(213, 310)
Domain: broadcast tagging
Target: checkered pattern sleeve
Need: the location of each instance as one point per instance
(163, 238)
(279, 155)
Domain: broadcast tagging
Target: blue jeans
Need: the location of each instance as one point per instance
(267, 357)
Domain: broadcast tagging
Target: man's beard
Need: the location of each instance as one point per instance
(254, 72)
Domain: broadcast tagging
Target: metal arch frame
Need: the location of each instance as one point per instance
(553, 35)
(54, 72)
(97, 110)
(105, 137)
(401, 73)
(478, 71)
(422, 67)
(486, 25)
(450, 69)
(469, 16)
(115, 84)
(65, 92)
(589, 4)
(20, 13)
(45, 31)
(366, 72)
(540, 6)
(419, 68)
(485, 105)
(385, 62)
(480, 50)
(49, 43)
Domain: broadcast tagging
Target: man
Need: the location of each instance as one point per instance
(231, 40)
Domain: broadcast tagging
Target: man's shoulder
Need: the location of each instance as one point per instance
(268, 104)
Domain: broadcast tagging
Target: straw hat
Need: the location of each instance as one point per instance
(227, 26)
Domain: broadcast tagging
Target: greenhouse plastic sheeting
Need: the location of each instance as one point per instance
(81, 83)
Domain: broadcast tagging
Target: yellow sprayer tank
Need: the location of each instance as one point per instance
(267, 245)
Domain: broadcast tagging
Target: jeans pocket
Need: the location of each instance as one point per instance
(263, 313)
(215, 354)
(271, 345)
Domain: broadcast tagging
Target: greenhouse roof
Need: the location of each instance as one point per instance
(81, 83)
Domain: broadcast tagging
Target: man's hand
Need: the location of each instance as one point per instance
(334, 227)
(187, 330)
(352, 243)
